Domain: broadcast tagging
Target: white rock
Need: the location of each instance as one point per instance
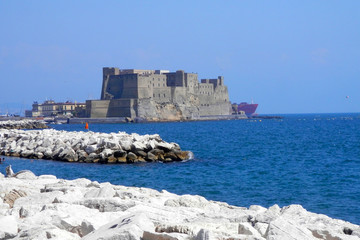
(261, 228)
(47, 207)
(164, 145)
(8, 227)
(139, 145)
(126, 145)
(129, 227)
(269, 215)
(25, 175)
(102, 192)
(246, 228)
(286, 229)
(106, 204)
(47, 177)
(205, 235)
(90, 149)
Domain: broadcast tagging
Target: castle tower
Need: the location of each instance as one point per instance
(106, 73)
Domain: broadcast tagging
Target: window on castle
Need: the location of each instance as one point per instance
(164, 94)
(159, 94)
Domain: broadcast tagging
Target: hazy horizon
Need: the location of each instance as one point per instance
(289, 57)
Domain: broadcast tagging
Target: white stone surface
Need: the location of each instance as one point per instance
(62, 209)
(79, 146)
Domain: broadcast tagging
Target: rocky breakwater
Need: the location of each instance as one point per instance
(90, 147)
(44, 207)
(23, 124)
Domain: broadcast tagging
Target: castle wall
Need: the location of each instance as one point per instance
(97, 108)
(111, 108)
(107, 72)
(122, 108)
(158, 93)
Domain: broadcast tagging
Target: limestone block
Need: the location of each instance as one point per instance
(38, 155)
(129, 227)
(107, 152)
(26, 153)
(92, 141)
(82, 155)
(25, 174)
(257, 208)
(47, 177)
(205, 235)
(56, 151)
(151, 144)
(356, 232)
(91, 149)
(68, 154)
(95, 184)
(48, 153)
(112, 144)
(164, 146)
(246, 228)
(175, 146)
(161, 236)
(107, 204)
(269, 215)
(93, 157)
(36, 200)
(285, 229)
(261, 228)
(73, 225)
(126, 145)
(187, 201)
(102, 192)
(137, 145)
(8, 227)
(46, 232)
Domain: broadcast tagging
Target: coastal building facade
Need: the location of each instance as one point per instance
(51, 108)
(159, 95)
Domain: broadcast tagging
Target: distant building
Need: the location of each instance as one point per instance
(50, 108)
(159, 95)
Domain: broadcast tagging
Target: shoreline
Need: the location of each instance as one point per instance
(38, 207)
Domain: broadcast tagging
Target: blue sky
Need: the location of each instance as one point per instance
(288, 56)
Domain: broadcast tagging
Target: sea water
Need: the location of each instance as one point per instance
(309, 159)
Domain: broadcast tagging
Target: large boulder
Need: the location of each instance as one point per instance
(8, 227)
(129, 227)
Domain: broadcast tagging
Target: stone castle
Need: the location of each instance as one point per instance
(159, 95)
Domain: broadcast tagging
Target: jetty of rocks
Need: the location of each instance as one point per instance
(89, 147)
(44, 207)
(23, 124)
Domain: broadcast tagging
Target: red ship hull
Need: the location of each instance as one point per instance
(249, 109)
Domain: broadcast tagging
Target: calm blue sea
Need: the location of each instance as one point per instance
(308, 159)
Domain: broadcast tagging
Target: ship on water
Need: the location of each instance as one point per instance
(248, 108)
